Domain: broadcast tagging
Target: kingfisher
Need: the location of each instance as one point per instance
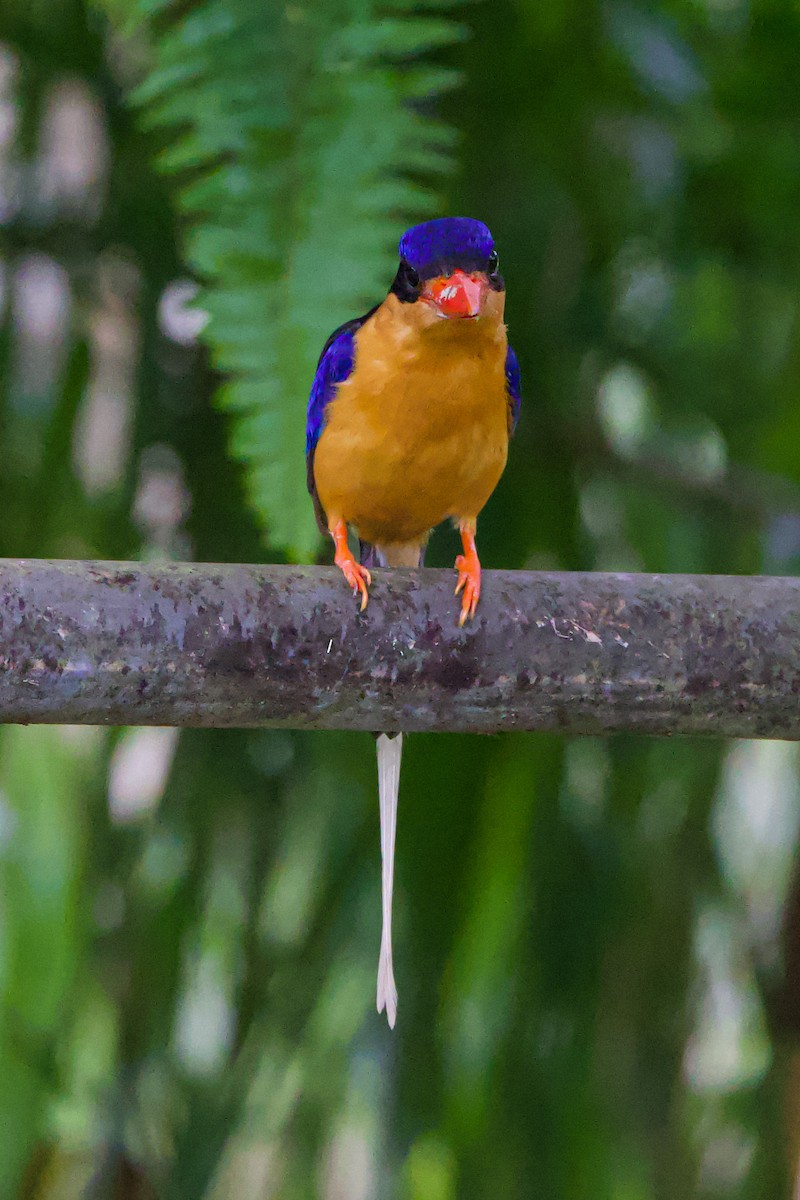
(409, 419)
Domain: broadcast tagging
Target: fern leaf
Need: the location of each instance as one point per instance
(300, 126)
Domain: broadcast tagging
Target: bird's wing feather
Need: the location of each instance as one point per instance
(334, 366)
(514, 386)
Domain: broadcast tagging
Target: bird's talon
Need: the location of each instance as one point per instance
(469, 577)
(357, 576)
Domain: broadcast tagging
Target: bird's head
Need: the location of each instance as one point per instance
(450, 269)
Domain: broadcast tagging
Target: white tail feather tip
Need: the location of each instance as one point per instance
(389, 754)
(387, 991)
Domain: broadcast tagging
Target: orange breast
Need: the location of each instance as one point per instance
(419, 432)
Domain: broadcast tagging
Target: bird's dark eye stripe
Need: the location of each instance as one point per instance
(406, 282)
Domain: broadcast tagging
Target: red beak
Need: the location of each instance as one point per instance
(456, 295)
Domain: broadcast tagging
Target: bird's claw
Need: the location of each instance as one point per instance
(469, 579)
(357, 576)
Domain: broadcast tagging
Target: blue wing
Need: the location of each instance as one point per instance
(334, 366)
(514, 385)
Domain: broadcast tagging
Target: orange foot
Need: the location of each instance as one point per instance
(469, 575)
(357, 576)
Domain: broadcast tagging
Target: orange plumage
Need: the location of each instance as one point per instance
(419, 431)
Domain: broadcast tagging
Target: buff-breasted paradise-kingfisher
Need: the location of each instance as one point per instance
(409, 419)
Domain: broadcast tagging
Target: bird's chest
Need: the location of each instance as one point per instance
(414, 438)
(425, 403)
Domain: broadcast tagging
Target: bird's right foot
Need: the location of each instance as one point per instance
(357, 576)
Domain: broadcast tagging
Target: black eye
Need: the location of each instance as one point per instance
(412, 276)
(406, 283)
(494, 262)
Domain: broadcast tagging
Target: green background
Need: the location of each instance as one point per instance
(598, 986)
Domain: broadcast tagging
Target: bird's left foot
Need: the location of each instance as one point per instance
(469, 575)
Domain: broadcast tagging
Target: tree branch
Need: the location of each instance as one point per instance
(212, 645)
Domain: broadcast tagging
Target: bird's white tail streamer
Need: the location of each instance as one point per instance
(390, 750)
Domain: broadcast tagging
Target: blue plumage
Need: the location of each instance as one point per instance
(446, 240)
(514, 384)
(335, 364)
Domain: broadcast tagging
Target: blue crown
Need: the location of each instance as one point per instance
(446, 240)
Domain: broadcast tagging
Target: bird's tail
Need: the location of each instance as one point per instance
(399, 554)
(390, 750)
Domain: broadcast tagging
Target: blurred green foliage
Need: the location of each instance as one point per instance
(589, 940)
(292, 187)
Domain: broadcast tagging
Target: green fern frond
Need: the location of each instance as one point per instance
(304, 123)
